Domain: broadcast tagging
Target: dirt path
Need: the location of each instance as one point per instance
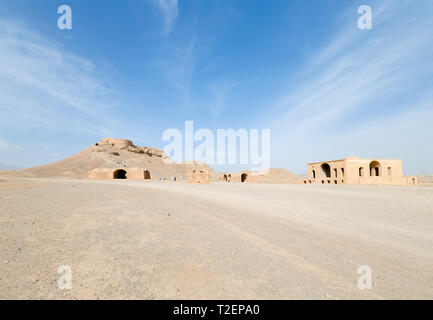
(165, 240)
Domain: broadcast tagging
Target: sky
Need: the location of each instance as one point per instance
(135, 68)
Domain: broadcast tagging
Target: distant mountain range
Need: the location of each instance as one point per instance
(7, 167)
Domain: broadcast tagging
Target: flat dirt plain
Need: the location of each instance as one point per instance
(165, 240)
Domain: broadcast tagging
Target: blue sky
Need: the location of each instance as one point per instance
(134, 68)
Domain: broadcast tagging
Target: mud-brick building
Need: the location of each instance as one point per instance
(119, 173)
(353, 170)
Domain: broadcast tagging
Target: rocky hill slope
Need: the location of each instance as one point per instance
(112, 153)
(120, 153)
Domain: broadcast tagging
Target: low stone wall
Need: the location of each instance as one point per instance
(268, 176)
(113, 173)
(425, 179)
(391, 181)
(100, 174)
(137, 174)
(198, 176)
(116, 142)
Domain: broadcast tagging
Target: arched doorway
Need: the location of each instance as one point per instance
(326, 170)
(225, 178)
(119, 174)
(146, 175)
(244, 177)
(375, 169)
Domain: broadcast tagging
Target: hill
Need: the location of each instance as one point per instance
(121, 153)
(111, 153)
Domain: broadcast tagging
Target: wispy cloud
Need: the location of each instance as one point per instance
(45, 86)
(6, 146)
(169, 10)
(359, 78)
(179, 67)
(219, 92)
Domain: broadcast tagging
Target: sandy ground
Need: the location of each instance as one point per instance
(164, 240)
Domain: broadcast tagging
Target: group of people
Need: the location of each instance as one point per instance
(173, 178)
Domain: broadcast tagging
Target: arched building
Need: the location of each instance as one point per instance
(352, 170)
(198, 176)
(119, 174)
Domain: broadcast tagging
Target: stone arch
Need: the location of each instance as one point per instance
(225, 177)
(375, 170)
(326, 170)
(120, 174)
(244, 177)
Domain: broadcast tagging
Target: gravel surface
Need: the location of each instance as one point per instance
(163, 240)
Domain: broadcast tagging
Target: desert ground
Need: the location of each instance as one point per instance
(166, 240)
